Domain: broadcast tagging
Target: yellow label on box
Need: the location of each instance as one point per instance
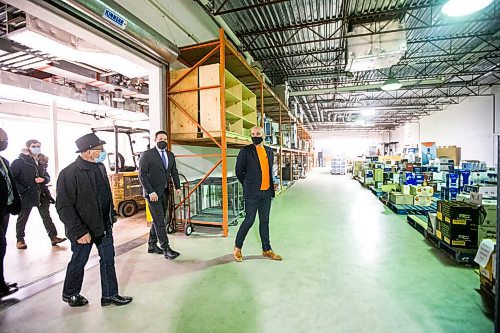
(438, 234)
(484, 272)
(464, 222)
(447, 219)
(447, 240)
(439, 215)
(460, 243)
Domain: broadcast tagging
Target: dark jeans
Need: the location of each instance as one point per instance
(4, 222)
(262, 204)
(160, 214)
(76, 267)
(43, 209)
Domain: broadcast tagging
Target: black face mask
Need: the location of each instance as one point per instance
(161, 145)
(257, 140)
(3, 145)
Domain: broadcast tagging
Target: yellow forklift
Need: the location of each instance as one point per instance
(127, 190)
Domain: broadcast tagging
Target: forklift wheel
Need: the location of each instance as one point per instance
(189, 230)
(127, 208)
(170, 229)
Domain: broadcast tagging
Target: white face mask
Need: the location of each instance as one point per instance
(36, 150)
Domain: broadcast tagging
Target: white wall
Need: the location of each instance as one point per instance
(408, 134)
(189, 13)
(350, 144)
(468, 125)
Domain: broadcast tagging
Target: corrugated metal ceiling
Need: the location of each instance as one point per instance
(303, 43)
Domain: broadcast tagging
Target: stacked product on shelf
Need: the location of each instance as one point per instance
(338, 166)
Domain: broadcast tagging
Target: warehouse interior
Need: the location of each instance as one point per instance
(384, 122)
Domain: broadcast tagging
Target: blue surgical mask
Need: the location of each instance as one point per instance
(36, 150)
(102, 157)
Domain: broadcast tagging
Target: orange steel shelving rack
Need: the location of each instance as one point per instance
(219, 51)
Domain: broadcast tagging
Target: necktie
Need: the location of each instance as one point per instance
(164, 158)
(5, 174)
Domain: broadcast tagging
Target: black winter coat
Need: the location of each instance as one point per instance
(77, 200)
(15, 207)
(25, 170)
(249, 173)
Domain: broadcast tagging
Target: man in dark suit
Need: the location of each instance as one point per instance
(254, 169)
(10, 203)
(156, 168)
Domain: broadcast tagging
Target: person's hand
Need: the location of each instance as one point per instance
(39, 180)
(153, 197)
(85, 239)
(178, 192)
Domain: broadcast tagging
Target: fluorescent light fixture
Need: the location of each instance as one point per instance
(17, 94)
(72, 52)
(391, 84)
(457, 8)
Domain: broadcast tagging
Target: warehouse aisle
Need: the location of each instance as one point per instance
(350, 265)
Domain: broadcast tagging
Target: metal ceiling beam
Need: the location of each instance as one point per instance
(495, 20)
(297, 54)
(219, 11)
(340, 18)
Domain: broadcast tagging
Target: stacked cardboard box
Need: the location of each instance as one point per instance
(401, 199)
(422, 195)
(457, 223)
(488, 221)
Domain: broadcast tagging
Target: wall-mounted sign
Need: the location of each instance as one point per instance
(115, 18)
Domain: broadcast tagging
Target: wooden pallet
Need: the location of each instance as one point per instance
(458, 255)
(376, 191)
(412, 209)
(419, 222)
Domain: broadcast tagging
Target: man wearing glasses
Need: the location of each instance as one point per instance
(31, 180)
(85, 206)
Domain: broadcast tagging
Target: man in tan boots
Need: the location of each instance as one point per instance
(254, 169)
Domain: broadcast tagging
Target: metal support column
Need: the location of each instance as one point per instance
(53, 125)
(497, 294)
(222, 81)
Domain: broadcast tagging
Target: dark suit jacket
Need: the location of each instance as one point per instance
(15, 207)
(249, 173)
(152, 173)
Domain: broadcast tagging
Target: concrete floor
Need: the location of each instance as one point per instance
(350, 265)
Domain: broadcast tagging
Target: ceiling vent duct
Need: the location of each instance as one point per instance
(367, 50)
(45, 37)
(127, 24)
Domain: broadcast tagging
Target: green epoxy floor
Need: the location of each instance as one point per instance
(350, 265)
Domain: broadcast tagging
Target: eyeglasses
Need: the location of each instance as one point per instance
(37, 146)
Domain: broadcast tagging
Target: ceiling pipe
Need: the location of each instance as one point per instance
(132, 27)
(362, 87)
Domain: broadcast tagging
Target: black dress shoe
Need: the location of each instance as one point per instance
(170, 254)
(75, 300)
(154, 249)
(116, 300)
(7, 290)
